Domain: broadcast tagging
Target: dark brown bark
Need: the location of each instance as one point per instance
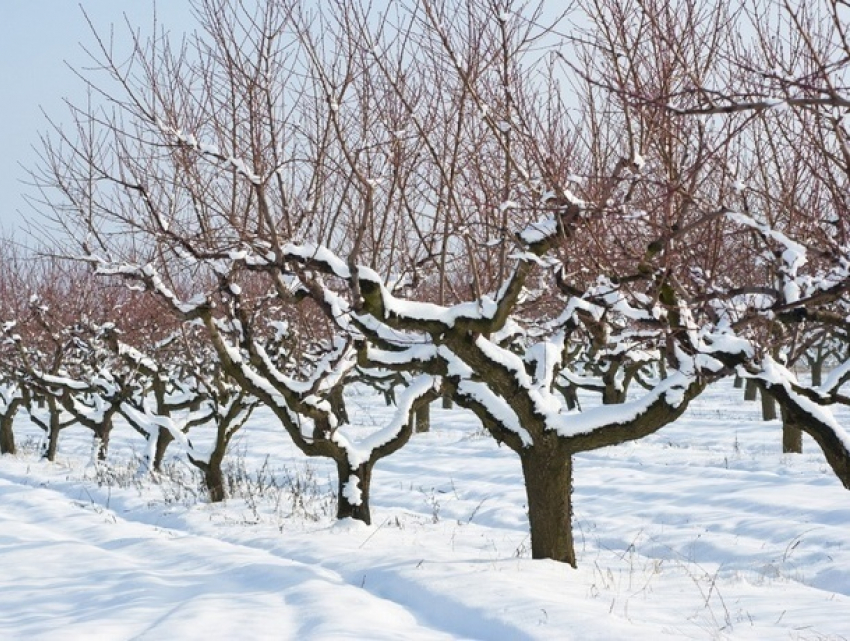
(750, 390)
(363, 475)
(548, 487)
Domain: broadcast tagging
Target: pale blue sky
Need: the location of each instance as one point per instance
(37, 38)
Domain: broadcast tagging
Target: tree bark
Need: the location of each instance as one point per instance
(549, 487)
(7, 436)
(163, 440)
(834, 448)
(751, 390)
(337, 400)
(52, 443)
(768, 406)
(447, 403)
(817, 371)
(346, 506)
(422, 419)
(214, 480)
(739, 382)
(792, 435)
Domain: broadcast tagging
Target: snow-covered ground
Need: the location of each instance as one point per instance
(702, 531)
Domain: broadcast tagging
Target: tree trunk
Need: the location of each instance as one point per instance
(447, 403)
(163, 440)
(103, 434)
(739, 382)
(422, 419)
(214, 480)
(353, 491)
(792, 435)
(52, 443)
(768, 406)
(549, 487)
(571, 397)
(7, 436)
(817, 371)
(751, 390)
(337, 400)
(612, 396)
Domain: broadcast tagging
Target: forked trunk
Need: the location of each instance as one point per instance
(353, 491)
(549, 488)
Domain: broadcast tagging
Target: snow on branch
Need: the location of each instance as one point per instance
(362, 451)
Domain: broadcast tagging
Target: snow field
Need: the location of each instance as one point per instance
(704, 530)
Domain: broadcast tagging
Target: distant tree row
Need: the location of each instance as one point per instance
(472, 200)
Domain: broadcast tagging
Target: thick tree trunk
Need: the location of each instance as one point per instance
(447, 403)
(7, 436)
(163, 440)
(613, 396)
(549, 487)
(214, 480)
(422, 420)
(792, 435)
(751, 390)
(353, 491)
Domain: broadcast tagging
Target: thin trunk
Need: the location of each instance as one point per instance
(817, 372)
(52, 442)
(549, 486)
(739, 382)
(422, 419)
(353, 491)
